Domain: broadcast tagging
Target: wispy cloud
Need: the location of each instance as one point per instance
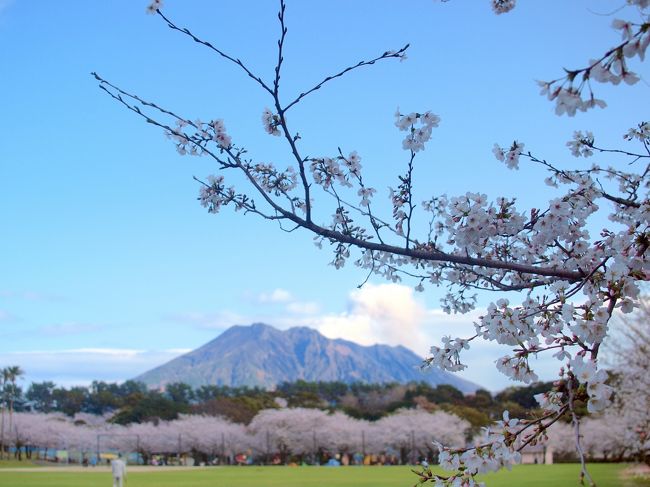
(4, 4)
(72, 328)
(219, 320)
(29, 295)
(83, 365)
(7, 317)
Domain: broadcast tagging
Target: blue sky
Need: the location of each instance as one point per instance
(108, 264)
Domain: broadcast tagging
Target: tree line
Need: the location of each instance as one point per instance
(132, 402)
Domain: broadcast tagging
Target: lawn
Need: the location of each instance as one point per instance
(606, 475)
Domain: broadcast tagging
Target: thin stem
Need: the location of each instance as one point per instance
(386, 55)
(584, 473)
(238, 62)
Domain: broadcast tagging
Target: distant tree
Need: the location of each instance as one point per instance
(179, 393)
(629, 354)
(240, 409)
(212, 437)
(207, 392)
(102, 397)
(344, 434)
(292, 431)
(150, 407)
(131, 387)
(10, 394)
(524, 396)
(569, 283)
(306, 399)
(3, 406)
(482, 399)
(411, 432)
(477, 418)
(41, 395)
(70, 401)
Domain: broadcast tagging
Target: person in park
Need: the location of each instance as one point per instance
(118, 468)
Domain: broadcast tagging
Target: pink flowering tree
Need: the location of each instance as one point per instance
(630, 357)
(211, 436)
(416, 432)
(557, 283)
(342, 434)
(290, 431)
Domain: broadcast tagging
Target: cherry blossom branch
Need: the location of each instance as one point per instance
(611, 67)
(414, 253)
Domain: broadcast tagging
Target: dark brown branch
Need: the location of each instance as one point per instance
(386, 55)
(238, 62)
(437, 256)
(332, 235)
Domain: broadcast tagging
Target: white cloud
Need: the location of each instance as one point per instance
(303, 308)
(390, 314)
(276, 296)
(385, 313)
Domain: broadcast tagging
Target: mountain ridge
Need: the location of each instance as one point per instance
(261, 355)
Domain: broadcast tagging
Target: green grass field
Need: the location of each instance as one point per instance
(606, 475)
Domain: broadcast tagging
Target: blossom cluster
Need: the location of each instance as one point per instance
(550, 401)
(419, 127)
(586, 372)
(447, 357)
(154, 6)
(271, 122)
(581, 144)
(204, 133)
(503, 6)
(611, 68)
(641, 132)
(212, 194)
(344, 171)
(498, 451)
(511, 156)
(272, 180)
(551, 321)
(328, 170)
